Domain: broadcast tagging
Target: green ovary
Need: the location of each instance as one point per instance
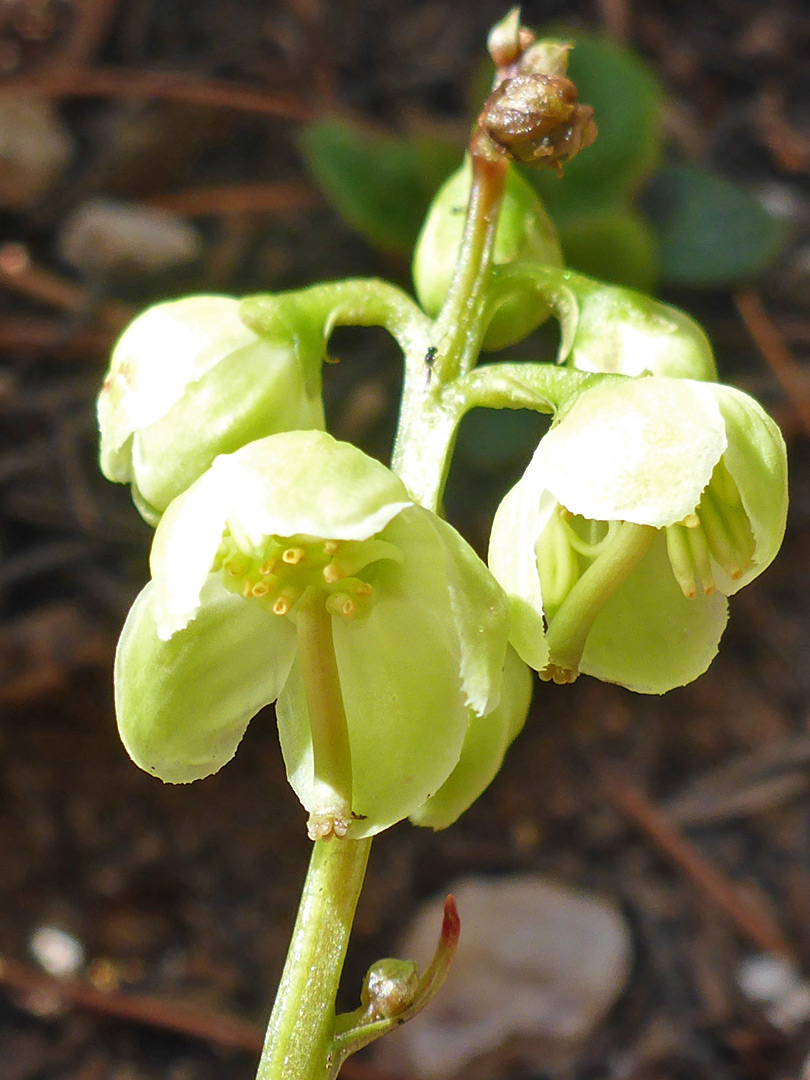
(282, 569)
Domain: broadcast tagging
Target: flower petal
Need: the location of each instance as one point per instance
(757, 460)
(639, 450)
(519, 521)
(481, 613)
(297, 482)
(183, 704)
(484, 747)
(168, 346)
(648, 637)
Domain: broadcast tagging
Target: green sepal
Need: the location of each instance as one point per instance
(183, 705)
(485, 743)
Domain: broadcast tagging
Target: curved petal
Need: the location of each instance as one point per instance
(757, 460)
(183, 704)
(484, 747)
(639, 450)
(293, 483)
(164, 349)
(519, 521)
(648, 637)
(481, 613)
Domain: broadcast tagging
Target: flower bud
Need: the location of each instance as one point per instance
(622, 331)
(524, 231)
(535, 119)
(188, 381)
(648, 503)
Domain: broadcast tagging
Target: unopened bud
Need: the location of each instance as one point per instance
(535, 119)
(508, 39)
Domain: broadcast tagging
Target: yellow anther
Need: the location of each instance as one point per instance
(341, 604)
(293, 556)
(364, 589)
(247, 590)
(281, 606)
(268, 566)
(235, 570)
(332, 573)
(261, 588)
(691, 521)
(330, 546)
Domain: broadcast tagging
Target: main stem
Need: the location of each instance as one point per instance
(302, 1023)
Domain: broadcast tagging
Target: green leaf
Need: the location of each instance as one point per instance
(616, 245)
(710, 232)
(380, 184)
(626, 98)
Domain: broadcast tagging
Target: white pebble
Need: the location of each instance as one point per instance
(535, 959)
(112, 236)
(56, 951)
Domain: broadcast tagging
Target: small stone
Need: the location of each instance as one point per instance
(110, 236)
(56, 951)
(536, 959)
(35, 146)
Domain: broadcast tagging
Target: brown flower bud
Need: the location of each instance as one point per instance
(535, 119)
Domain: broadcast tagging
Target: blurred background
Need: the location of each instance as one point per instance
(657, 851)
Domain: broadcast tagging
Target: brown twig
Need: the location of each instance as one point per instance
(18, 272)
(164, 86)
(256, 198)
(49, 336)
(777, 355)
(751, 922)
(167, 1015)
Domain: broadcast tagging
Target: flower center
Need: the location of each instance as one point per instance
(718, 532)
(283, 568)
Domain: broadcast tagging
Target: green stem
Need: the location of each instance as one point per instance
(354, 302)
(459, 327)
(303, 1020)
(428, 420)
(572, 622)
(331, 752)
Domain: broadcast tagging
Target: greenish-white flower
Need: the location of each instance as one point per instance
(189, 380)
(294, 539)
(648, 503)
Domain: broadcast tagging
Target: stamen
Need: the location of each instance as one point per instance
(281, 606)
(365, 588)
(699, 548)
(332, 573)
(680, 559)
(293, 556)
(260, 589)
(341, 604)
(330, 546)
(730, 539)
(268, 566)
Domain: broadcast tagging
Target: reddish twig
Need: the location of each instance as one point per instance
(751, 922)
(777, 355)
(256, 198)
(164, 86)
(18, 272)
